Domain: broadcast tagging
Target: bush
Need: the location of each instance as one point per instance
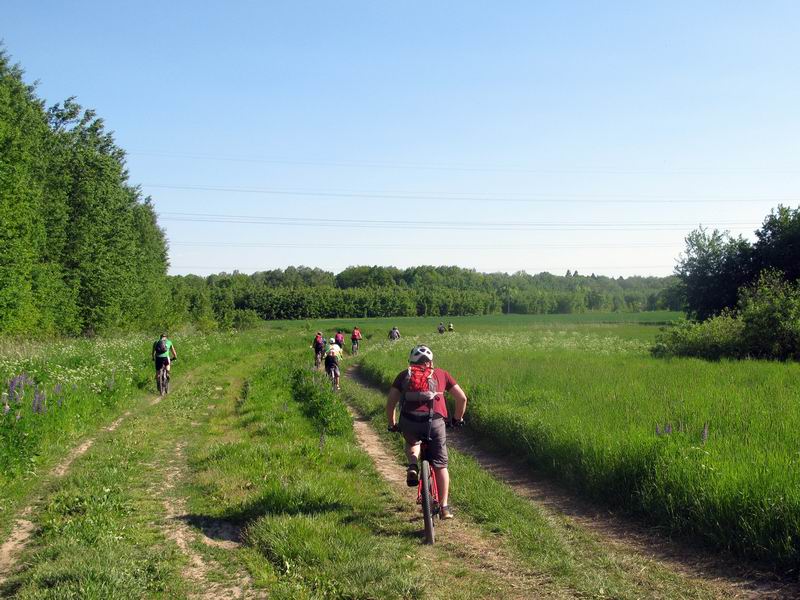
(770, 312)
(245, 318)
(765, 325)
(319, 403)
(713, 339)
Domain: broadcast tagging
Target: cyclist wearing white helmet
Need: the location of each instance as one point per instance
(420, 392)
(332, 356)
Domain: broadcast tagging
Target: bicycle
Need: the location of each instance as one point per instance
(427, 489)
(354, 349)
(162, 380)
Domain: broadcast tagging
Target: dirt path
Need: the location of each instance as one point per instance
(457, 541)
(177, 527)
(23, 527)
(730, 579)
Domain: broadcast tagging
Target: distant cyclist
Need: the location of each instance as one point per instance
(450, 327)
(420, 392)
(394, 334)
(332, 357)
(441, 328)
(355, 338)
(162, 351)
(339, 338)
(318, 345)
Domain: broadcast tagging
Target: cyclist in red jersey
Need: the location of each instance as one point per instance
(414, 389)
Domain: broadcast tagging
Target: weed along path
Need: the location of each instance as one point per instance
(557, 539)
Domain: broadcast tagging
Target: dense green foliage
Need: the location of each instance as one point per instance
(301, 292)
(765, 324)
(588, 405)
(715, 266)
(80, 250)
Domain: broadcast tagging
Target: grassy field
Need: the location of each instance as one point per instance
(249, 441)
(586, 403)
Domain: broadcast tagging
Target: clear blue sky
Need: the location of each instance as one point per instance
(509, 135)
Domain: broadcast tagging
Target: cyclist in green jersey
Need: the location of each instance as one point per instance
(162, 351)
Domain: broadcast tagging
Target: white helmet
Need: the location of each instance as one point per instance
(420, 354)
(332, 341)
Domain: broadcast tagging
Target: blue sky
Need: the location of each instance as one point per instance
(500, 136)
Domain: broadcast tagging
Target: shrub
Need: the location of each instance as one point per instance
(770, 313)
(245, 318)
(712, 339)
(765, 325)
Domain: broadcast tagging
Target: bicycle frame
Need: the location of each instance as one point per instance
(423, 456)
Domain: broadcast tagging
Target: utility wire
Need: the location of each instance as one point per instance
(605, 170)
(456, 196)
(209, 244)
(425, 225)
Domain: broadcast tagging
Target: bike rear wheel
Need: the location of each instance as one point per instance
(427, 502)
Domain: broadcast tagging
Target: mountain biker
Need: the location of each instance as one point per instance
(355, 338)
(420, 392)
(332, 357)
(162, 349)
(339, 339)
(318, 344)
(394, 334)
(440, 329)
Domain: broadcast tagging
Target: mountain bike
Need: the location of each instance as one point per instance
(427, 489)
(428, 494)
(162, 380)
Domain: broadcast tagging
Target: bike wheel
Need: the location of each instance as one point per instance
(427, 502)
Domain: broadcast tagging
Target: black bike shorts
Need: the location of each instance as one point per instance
(161, 361)
(332, 370)
(415, 431)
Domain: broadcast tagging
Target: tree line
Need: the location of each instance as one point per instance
(363, 291)
(80, 249)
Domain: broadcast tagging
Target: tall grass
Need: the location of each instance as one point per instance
(591, 409)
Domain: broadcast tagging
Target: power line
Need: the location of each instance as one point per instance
(605, 170)
(465, 197)
(425, 225)
(209, 244)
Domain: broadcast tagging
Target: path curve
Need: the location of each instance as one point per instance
(729, 578)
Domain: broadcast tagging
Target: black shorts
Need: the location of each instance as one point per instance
(161, 361)
(415, 431)
(332, 370)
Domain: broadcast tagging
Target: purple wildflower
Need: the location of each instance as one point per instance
(39, 399)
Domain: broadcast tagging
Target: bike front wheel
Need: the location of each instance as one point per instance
(427, 502)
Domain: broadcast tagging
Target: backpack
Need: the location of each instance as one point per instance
(161, 346)
(419, 388)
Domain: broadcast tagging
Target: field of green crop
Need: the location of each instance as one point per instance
(583, 400)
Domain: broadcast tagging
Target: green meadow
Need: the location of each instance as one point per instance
(583, 400)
